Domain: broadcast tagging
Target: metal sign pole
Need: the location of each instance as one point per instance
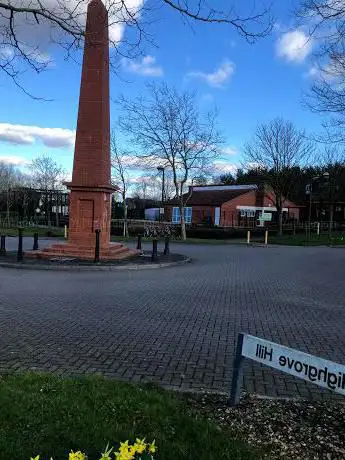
(237, 375)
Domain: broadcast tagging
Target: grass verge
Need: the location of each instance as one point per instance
(302, 240)
(48, 415)
(188, 241)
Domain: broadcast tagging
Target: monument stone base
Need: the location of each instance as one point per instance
(112, 251)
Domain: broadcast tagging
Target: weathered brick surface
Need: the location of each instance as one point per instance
(90, 197)
(90, 186)
(177, 326)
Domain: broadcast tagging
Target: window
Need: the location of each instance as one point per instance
(188, 215)
(247, 213)
(176, 215)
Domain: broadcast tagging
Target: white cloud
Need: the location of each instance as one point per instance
(222, 167)
(14, 160)
(230, 150)
(146, 66)
(294, 46)
(38, 38)
(50, 137)
(217, 78)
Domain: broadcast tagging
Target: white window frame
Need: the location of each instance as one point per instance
(176, 215)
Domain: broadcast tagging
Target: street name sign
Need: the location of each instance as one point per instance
(319, 371)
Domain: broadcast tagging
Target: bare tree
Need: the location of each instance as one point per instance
(325, 21)
(276, 148)
(332, 180)
(169, 131)
(119, 164)
(48, 176)
(25, 25)
(10, 178)
(142, 187)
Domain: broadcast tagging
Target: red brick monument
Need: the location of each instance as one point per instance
(91, 189)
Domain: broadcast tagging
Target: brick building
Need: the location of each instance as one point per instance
(229, 206)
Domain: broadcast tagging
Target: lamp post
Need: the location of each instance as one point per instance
(309, 191)
(162, 170)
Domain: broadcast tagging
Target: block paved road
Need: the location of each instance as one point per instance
(177, 326)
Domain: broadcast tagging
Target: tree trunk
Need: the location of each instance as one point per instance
(279, 206)
(183, 224)
(8, 208)
(48, 207)
(125, 223)
(57, 223)
(330, 224)
(280, 222)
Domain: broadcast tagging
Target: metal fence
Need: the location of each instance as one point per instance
(148, 228)
(15, 223)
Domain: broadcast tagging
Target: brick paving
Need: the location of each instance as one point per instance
(177, 326)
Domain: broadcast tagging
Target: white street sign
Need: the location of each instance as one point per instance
(266, 216)
(316, 370)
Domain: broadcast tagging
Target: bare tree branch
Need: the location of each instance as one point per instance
(326, 23)
(168, 131)
(62, 23)
(276, 148)
(120, 175)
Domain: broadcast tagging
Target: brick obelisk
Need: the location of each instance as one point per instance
(91, 189)
(90, 197)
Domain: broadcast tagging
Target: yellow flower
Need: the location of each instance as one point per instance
(76, 456)
(124, 455)
(152, 447)
(125, 452)
(140, 445)
(36, 458)
(124, 446)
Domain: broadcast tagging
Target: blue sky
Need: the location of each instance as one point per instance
(249, 84)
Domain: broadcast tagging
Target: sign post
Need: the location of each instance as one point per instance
(321, 372)
(237, 375)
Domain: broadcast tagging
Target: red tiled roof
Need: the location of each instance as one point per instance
(210, 197)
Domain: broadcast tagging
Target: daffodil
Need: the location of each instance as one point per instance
(125, 452)
(124, 447)
(76, 455)
(140, 445)
(35, 458)
(152, 447)
(124, 455)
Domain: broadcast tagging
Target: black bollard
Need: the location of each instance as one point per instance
(166, 247)
(139, 242)
(97, 246)
(20, 245)
(154, 250)
(35, 246)
(3, 245)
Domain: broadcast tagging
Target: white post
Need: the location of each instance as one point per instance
(248, 237)
(66, 232)
(266, 237)
(318, 228)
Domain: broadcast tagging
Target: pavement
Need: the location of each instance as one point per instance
(177, 326)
